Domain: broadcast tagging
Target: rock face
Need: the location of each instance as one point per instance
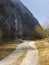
(16, 21)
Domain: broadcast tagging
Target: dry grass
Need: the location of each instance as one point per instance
(6, 49)
(43, 47)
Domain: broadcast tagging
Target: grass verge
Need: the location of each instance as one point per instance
(43, 48)
(6, 49)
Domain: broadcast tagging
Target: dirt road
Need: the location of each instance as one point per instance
(28, 50)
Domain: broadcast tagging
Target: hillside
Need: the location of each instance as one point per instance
(47, 31)
(46, 27)
(17, 22)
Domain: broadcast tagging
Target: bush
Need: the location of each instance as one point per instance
(40, 33)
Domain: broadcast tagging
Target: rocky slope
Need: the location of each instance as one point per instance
(16, 21)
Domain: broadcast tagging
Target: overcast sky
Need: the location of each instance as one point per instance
(39, 8)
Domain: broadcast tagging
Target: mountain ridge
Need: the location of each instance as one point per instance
(16, 21)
